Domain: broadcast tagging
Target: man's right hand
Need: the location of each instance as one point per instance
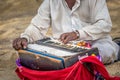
(20, 43)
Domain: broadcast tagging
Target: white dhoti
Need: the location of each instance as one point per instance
(108, 50)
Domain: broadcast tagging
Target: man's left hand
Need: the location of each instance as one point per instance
(66, 37)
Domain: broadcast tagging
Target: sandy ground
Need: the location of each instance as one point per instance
(16, 15)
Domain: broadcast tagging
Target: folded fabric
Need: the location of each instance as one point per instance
(76, 72)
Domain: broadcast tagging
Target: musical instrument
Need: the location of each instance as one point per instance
(52, 54)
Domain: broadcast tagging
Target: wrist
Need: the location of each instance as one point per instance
(77, 33)
(25, 39)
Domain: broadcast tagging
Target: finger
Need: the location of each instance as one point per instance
(15, 44)
(71, 36)
(63, 36)
(24, 44)
(18, 44)
(68, 38)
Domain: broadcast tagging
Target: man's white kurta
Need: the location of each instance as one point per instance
(90, 17)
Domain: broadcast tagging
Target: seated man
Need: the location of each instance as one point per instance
(73, 20)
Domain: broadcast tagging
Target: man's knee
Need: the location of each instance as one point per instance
(106, 51)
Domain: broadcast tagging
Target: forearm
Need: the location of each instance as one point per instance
(32, 33)
(96, 31)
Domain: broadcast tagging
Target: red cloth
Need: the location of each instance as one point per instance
(76, 72)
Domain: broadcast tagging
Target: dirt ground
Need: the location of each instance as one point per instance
(16, 15)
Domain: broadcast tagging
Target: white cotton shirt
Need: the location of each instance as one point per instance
(90, 17)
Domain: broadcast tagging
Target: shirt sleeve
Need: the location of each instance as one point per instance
(100, 22)
(39, 24)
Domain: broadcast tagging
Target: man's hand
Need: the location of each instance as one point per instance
(66, 37)
(20, 43)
